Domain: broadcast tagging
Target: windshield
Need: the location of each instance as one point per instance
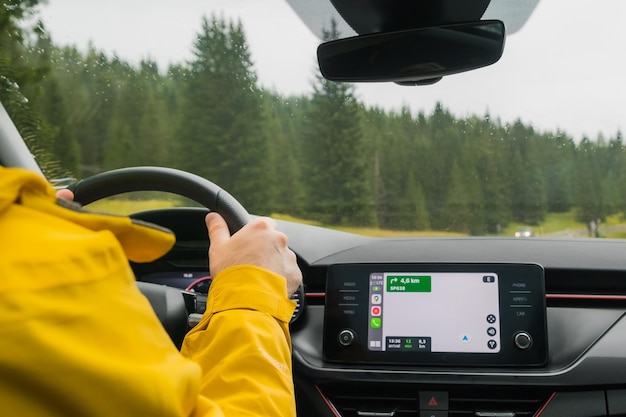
(530, 146)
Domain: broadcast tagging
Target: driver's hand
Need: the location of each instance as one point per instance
(65, 194)
(257, 243)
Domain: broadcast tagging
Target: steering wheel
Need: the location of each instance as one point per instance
(167, 302)
(170, 180)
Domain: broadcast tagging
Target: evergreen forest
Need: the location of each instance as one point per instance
(323, 156)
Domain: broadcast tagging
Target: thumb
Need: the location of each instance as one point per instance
(65, 194)
(217, 227)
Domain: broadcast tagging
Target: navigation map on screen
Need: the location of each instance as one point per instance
(434, 312)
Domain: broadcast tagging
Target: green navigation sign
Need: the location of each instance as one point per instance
(408, 283)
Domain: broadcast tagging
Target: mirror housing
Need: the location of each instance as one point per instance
(413, 57)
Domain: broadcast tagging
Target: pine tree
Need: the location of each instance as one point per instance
(18, 74)
(222, 124)
(420, 218)
(464, 201)
(445, 143)
(286, 189)
(527, 185)
(50, 103)
(559, 167)
(338, 168)
(588, 183)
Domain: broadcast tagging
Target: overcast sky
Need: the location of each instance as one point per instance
(561, 70)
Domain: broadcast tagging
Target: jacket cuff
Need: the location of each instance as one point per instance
(250, 287)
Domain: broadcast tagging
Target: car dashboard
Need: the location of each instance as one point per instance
(581, 314)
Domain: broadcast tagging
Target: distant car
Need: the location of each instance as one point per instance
(524, 232)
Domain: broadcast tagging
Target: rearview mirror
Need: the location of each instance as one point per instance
(417, 56)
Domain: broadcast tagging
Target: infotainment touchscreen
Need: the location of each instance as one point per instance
(407, 311)
(457, 314)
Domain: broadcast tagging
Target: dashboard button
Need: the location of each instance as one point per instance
(522, 340)
(346, 337)
(520, 299)
(433, 400)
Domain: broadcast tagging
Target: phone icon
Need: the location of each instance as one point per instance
(375, 322)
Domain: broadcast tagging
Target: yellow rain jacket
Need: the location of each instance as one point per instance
(77, 338)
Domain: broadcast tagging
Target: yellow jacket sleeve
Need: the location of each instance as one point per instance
(243, 344)
(77, 338)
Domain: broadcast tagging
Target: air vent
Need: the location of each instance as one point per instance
(404, 400)
(579, 281)
(358, 406)
(578, 288)
(490, 403)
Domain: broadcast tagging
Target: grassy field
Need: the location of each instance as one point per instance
(126, 207)
(370, 231)
(614, 227)
(614, 219)
(554, 222)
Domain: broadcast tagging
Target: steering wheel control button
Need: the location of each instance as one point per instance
(433, 400)
(523, 340)
(346, 337)
(492, 344)
(491, 331)
(491, 319)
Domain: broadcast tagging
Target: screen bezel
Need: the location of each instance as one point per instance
(339, 317)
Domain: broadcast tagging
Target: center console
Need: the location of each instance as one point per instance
(436, 314)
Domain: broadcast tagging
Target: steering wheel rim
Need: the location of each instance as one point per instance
(150, 178)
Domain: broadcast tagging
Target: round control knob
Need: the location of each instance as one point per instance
(522, 340)
(346, 337)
